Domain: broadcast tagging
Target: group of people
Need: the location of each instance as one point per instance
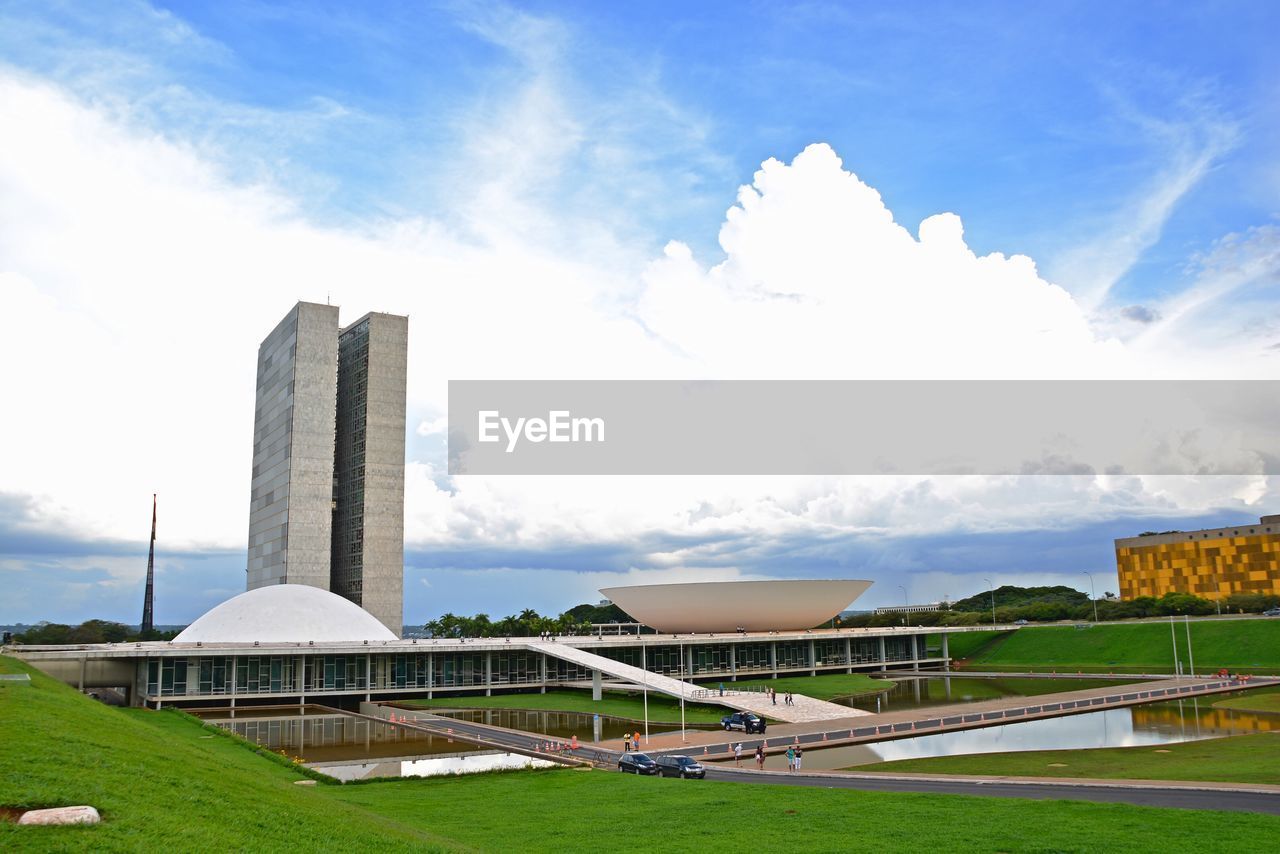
(794, 756)
(787, 699)
(737, 755)
(631, 741)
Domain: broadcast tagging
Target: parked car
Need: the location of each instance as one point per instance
(637, 763)
(1271, 612)
(1019, 622)
(680, 766)
(745, 721)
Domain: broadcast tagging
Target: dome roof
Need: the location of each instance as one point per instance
(285, 613)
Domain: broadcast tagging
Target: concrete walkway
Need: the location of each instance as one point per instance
(926, 721)
(804, 709)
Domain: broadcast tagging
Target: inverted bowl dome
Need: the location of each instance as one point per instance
(285, 613)
(724, 606)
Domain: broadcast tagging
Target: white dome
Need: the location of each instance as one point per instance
(285, 613)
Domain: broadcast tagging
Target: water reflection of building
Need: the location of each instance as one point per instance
(1212, 563)
(1211, 721)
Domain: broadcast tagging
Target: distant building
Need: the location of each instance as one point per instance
(910, 609)
(1212, 563)
(326, 504)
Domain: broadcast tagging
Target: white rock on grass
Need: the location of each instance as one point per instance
(61, 815)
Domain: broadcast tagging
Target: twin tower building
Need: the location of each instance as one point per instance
(327, 502)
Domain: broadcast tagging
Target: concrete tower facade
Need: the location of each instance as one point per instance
(326, 504)
(368, 514)
(291, 494)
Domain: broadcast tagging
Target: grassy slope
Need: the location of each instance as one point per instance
(1265, 700)
(662, 709)
(158, 781)
(826, 686)
(1244, 645)
(1239, 759)
(162, 784)
(965, 644)
(602, 811)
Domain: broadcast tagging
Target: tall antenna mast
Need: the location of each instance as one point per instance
(149, 599)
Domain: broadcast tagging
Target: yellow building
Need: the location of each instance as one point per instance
(1212, 563)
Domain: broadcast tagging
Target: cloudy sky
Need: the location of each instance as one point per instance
(585, 190)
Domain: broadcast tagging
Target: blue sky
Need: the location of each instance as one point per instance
(543, 187)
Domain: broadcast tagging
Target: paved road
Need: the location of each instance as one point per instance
(1140, 795)
(1147, 796)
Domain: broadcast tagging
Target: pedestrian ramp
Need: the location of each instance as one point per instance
(803, 708)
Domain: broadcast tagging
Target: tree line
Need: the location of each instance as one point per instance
(1080, 608)
(90, 631)
(528, 623)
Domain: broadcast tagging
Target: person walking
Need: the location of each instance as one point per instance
(737, 755)
(773, 695)
(626, 742)
(635, 741)
(760, 757)
(791, 759)
(799, 757)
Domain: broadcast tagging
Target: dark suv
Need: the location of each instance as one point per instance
(680, 766)
(745, 721)
(637, 763)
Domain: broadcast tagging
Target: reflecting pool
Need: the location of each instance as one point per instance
(1167, 722)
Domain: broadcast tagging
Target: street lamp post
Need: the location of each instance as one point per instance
(1093, 595)
(644, 667)
(992, 588)
(906, 605)
(684, 738)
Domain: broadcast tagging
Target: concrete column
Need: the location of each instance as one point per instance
(773, 658)
(235, 682)
(596, 692)
(84, 661)
(915, 652)
(488, 674)
(883, 660)
(813, 658)
(848, 655)
(368, 677)
(733, 663)
(688, 662)
(431, 674)
(300, 680)
(947, 655)
(542, 672)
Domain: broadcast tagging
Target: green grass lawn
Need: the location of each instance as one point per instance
(1238, 759)
(163, 781)
(160, 782)
(1251, 646)
(965, 644)
(662, 709)
(825, 686)
(1263, 700)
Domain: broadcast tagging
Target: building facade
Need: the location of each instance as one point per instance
(368, 498)
(326, 504)
(291, 494)
(1212, 563)
(211, 674)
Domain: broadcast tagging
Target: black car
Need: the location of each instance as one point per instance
(745, 721)
(680, 766)
(637, 763)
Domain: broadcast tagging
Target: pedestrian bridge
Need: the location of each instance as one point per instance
(803, 709)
